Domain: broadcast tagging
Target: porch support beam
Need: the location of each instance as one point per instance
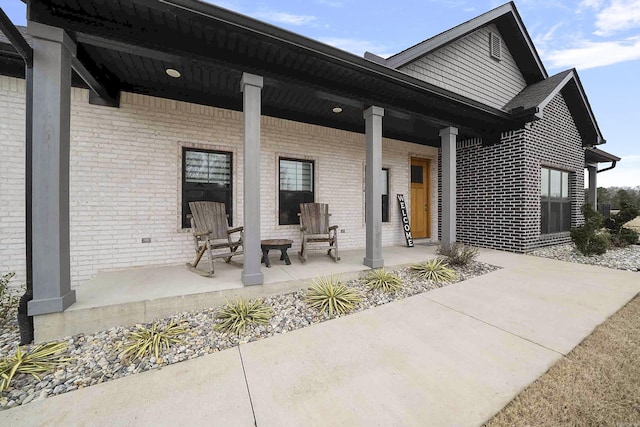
(251, 87)
(448, 139)
(53, 51)
(592, 195)
(373, 193)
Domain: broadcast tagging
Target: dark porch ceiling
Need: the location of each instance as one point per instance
(128, 45)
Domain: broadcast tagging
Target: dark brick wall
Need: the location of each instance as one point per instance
(498, 187)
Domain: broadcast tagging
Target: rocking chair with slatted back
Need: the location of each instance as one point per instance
(211, 233)
(314, 228)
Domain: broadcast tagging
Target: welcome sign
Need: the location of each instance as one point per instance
(406, 228)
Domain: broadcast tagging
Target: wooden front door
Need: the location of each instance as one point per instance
(420, 209)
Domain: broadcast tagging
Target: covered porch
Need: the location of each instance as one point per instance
(188, 51)
(129, 296)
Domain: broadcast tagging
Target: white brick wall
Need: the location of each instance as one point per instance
(125, 177)
(465, 67)
(12, 128)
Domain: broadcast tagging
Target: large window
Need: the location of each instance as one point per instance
(384, 190)
(206, 176)
(296, 186)
(555, 201)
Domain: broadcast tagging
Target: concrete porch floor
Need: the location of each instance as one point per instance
(127, 297)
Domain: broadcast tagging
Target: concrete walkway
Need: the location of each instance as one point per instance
(450, 357)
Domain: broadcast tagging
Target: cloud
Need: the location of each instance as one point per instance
(284, 17)
(358, 47)
(590, 4)
(590, 54)
(618, 16)
(548, 36)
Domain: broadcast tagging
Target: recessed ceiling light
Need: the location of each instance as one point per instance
(337, 110)
(173, 73)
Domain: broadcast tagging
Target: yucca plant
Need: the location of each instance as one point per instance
(436, 270)
(330, 295)
(41, 359)
(383, 280)
(152, 340)
(237, 315)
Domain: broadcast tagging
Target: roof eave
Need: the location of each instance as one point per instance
(466, 28)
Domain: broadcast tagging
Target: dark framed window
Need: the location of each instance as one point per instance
(555, 202)
(384, 190)
(385, 195)
(206, 176)
(295, 186)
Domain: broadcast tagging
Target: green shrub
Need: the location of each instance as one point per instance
(39, 360)
(383, 280)
(588, 238)
(8, 301)
(627, 213)
(331, 296)
(627, 237)
(147, 341)
(235, 316)
(436, 270)
(620, 236)
(589, 242)
(458, 254)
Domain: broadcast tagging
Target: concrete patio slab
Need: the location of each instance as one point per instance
(210, 390)
(139, 295)
(412, 362)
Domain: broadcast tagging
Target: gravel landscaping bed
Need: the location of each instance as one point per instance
(619, 258)
(95, 356)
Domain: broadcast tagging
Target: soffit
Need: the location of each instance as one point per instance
(132, 43)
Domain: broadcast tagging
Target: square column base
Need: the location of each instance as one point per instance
(373, 263)
(51, 305)
(252, 279)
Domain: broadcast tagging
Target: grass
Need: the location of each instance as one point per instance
(596, 384)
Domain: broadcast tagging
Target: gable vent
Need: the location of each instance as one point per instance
(495, 46)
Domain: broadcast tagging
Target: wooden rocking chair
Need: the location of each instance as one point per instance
(211, 232)
(314, 228)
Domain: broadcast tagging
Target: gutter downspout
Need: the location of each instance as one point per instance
(25, 321)
(613, 165)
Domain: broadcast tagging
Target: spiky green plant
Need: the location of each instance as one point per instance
(237, 315)
(436, 270)
(383, 280)
(152, 340)
(39, 360)
(330, 295)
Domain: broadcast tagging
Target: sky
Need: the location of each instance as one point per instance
(600, 38)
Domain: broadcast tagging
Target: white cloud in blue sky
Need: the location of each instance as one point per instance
(619, 15)
(597, 34)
